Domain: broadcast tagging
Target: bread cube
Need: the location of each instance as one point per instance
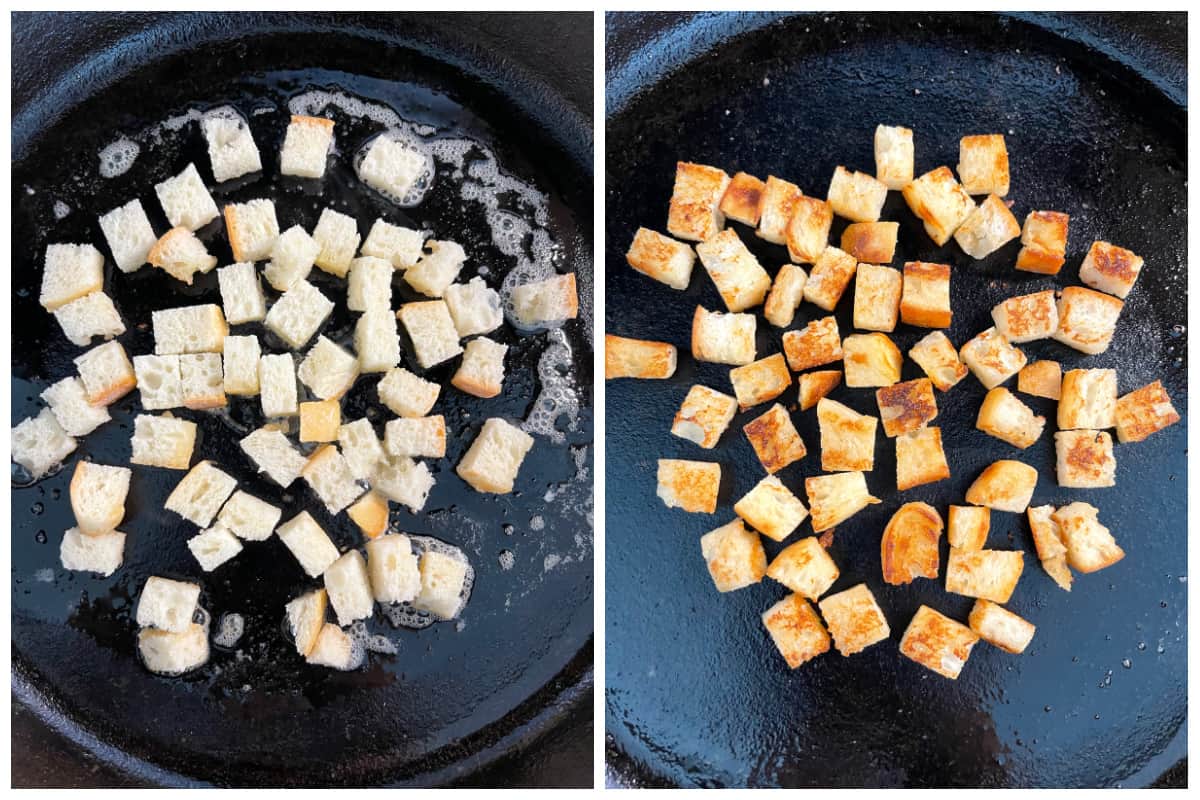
(690, 485)
(937, 356)
(983, 164)
(481, 372)
(779, 201)
(940, 202)
(328, 370)
(854, 619)
(70, 272)
(240, 365)
(67, 400)
(320, 421)
(1090, 545)
(871, 242)
(253, 229)
(784, 298)
(167, 605)
(159, 382)
(106, 373)
(331, 478)
(1088, 400)
(309, 543)
(306, 618)
(406, 394)
(870, 359)
(909, 548)
(847, 437)
(856, 195)
(185, 200)
(988, 228)
(90, 316)
(442, 580)
(213, 547)
(492, 462)
(248, 517)
(1004, 416)
(403, 481)
(1028, 317)
(231, 148)
(98, 495)
(817, 343)
(742, 198)
(773, 437)
(39, 444)
(162, 441)
(361, 448)
(393, 568)
(661, 258)
(925, 301)
(546, 302)
(474, 307)
(808, 229)
(201, 381)
(907, 406)
(190, 329)
(273, 454)
(377, 341)
(369, 284)
(102, 554)
(723, 338)
(437, 269)
(920, 458)
(432, 331)
(638, 358)
(695, 213)
(1047, 536)
(991, 358)
(349, 588)
(969, 526)
(306, 147)
(241, 293)
(277, 385)
(805, 568)
(1087, 319)
(833, 499)
(815, 385)
(770, 508)
(129, 235)
(422, 437)
(393, 168)
(1044, 242)
(166, 653)
(829, 278)
(200, 495)
(181, 255)
(370, 513)
(734, 555)
(1041, 379)
(1085, 459)
(893, 156)
(1142, 412)
(989, 574)
(796, 630)
(292, 258)
(298, 314)
(1004, 486)
(704, 416)
(760, 380)
(1001, 627)
(337, 235)
(937, 642)
(740, 279)
(334, 649)
(1110, 269)
(402, 247)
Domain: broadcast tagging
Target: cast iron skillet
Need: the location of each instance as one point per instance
(455, 696)
(696, 693)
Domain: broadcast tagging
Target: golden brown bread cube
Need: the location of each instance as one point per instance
(1110, 269)
(808, 229)
(661, 258)
(1088, 399)
(771, 509)
(1140, 413)
(1041, 379)
(704, 416)
(909, 548)
(1004, 416)
(779, 200)
(877, 298)
(785, 296)
(694, 213)
(983, 164)
(742, 198)
(854, 619)
(991, 358)
(829, 277)
(871, 242)
(990, 574)
(904, 407)
(937, 642)
(774, 439)
(847, 437)
(1085, 459)
(1090, 545)
(988, 228)
(817, 343)
(1047, 537)
(760, 381)
(938, 357)
(690, 485)
(894, 155)
(925, 299)
(856, 196)
(740, 279)
(870, 359)
(969, 526)
(940, 202)
(1004, 486)
(920, 458)
(723, 338)
(1028, 317)
(805, 568)
(734, 555)
(796, 630)
(833, 499)
(815, 385)
(1044, 242)
(1087, 319)
(1001, 627)
(638, 358)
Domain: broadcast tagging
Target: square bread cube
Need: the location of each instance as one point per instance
(829, 277)
(98, 494)
(742, 199)
(106, 373)
(1041, 379)
(734, 555)
(361, 447)
(991, 358)
(292, 258)
(920, 458)
(805, 568)
(166, 604)
(1142, 412)
(893, 156)
(39, 443)
(213, 547)
(694, 212)
(1110, 269)
(349, 588)
(940, 202)
(309, 543)
(331, 478)
(779, 201)
(495, 457)
(102, 554)
(190, 329)
(969, 526)
(937, 642)
(1004, 485)
(1004, 416)
(159, 382)
(690, 485)
(306, 619)
(856, 195)
(443, 577)
(162, 441)
(770, 508)
(1001, 627)
(248, 517)
(377, 341)
(394, 569)
(877, 298)
(815, 385)
(474, 307)
(370, 513)
(406, 394)
(200, 495)
(808, 229)
(298, 314)
(989, 574)
(393, 168)
(983, 164)
(546, 302)
(785, 296)
(320, 421)
(402, 247)
(988, 228)
(938, 357)
(70, 272)
(277, 385)
(775, 439)
(369, 284)
(129, 235)
(870, 359)
(437, 269)
(328, 370)
(88, 317)
(871, 242)
(1090, 545)
(253, 229)
(173, 654)
(334, 649)
(723, 338)
(907, 406)
(432, 331)
(481, 371)
(760, 381)
(740, 279)
(909, 549)
(1088, 399)
(186, 201)
(403, 481)
(925, 301)
(241, 365)
(201, 381)
(638, 358)
(661, 258)
(67, 400)
(854, 619)
(306, 147)
(273, 454)
(847, 437)
(337, 235)
(241, 293)
(181, 255)
(1028, 317)
(231, 148)
(1085, 459)
(1044, 242)
(816, 344)
(796, 630)
(421, 437)
(833, 499)
(1087, 319)
(703, 416)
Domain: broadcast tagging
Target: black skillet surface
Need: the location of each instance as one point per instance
(696, 693)
(455, 696)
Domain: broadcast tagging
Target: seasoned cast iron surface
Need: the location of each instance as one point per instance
(696, 692)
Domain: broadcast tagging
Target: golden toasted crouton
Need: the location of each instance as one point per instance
(734, 555)
(989, 227)
(1140, 413)
(742, 198)
(894, 155)
(1028, 317)
(690, 485)
(1047, 537)
(870, 359)
(991, 358)
(695, 212)
(1087, 319)
(1004, 416)
(638, 358)
(983, 164)
(704, 416)
(808, 229)
(661, 258)
(771, 509)
(1005, 486)
(1085, 459)
(1041, 379)
(906, 406)
(805, 568)
(920, 458)
(940, 202)
(938, 357)
(1110, 269)
(910, 544)
(738, 276)
(969, 527)
(796, 630)
(925, 300)
(1001, 627)
(784, 298)
(760, 380)
(774, 439)
(723, 338)
(937, 642)
(990, 574)
(1090, 546)
(833, 499)
(1044, 242)
(871, 242)
(847, 437)
(856, 195)
(1088, 399)
(829, 277)
(877, 298)
(779, 199)
(817, 343)
(815, 385)
(855, 620)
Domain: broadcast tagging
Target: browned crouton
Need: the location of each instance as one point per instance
(877, 298)
(661, 258)
(690, 485)
(1001, 627)
(771, 509)
(760, 380)
(969, 527)
(1041, 379)
(1087, 319)
(991, 358)
(910, 544)
(817, 343)
(940, 202)
(833, 499)
(638, 358)
(815, 385)
(1028, 317)
(906, 406)
(937, 642)
(847, 437)
(1110, 269)
(894, 155)
(855, 620)
(983, 164)
(742, 199)
(925, 300)
(774, 439)
(938, 357)
(796, 630)
(856, 196)
(740, 279)
(871, 242)
(1005, 486)
(723, 338)
(1140, 413)
(695, 212)
(988, 228)
(990, 574)
(1090, 545)
(779, 199)
(734, 555)
(784, 298)
(1088, 400)
(1044, 242)
(870, 359)
(1004, 416)
(808, 229)
(704, 416)
(920, 458)
(829, 277)
(805, 568)
(1085, 459)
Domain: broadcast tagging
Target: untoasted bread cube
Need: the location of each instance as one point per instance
(760, 381)
(406, 394)
(213, 547)
(241, 293)
(920, 458)
(870, 359)
(393, 568)
(877, 298)
(481, 372)
(991, 358)
(369, 284)
(1005, 486)
(988, 228)
(815, 385)
(546, 302)
(723, 338)
(940, 202)
(893, 156)
(442, 579)
(377, 341)
(690, 485)
(983, 164)
(201, 381)
(1110, 269)
(309, 543)
(1004, 416)
(909, 548)
(200, 495)
(969, 526)
(847, 437)
(432, 331)
(159, 382)
(495, 457)
(937, 642)
(277, 385)
(361, 448)
(704, 416)
(349, 588)
(393, 167)
(253, 229)
(437, 269)
(695, 213)
(186, 201)
(98, 495)
(871, 242)
(68, 402)
(814, 345)
(166, 653)
(907, 406)
(328, 370)
(181, 255)
(779, 201)
(1041, 379)
(805, 568)
(1144, 411)
(306, 618)
(248, 517)
(166, 604)
(1044, 242)
(100, 554)
(1090, 546)
(337, 234)
(1001, 627)
(833, 499)
(808, 229)
(661, 258)
(734, 555)
(106, 373)
(231, 148)
(306, 147)
(299, 314)
(163, 441)
(403, 481)
(190, 329)
(88, 317)
(936, 355)
(39, 443)
(422, 437)
(925, 302)
(1087, 319)
(742, 199)
(796, 630)
(320, 421)
(854, 619)
(829, 278)
(1085, 459)
(273, 454)
(370, 514)
(771, 509)
(784, 298)
(856, 195)
(129, 235)
(331, 478)
(740, 279)
(292, 258)
(774, 439)
(403, 247)
(240, 365)
(334, 649)
(990, 574)
(474, 307)
(1088, 400)
(1028, 317)
(638, 358)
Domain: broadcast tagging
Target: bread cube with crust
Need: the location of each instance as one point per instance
(991, 358)
(1087, 319)
(689, 485)
(739, 278)
(661, 258)
(185, 200)
(871, 242)
(742, 199)
(334, 649)
(309, 543)
(938, 357)
(796, 630)
(338, 237)
(98, 494)
(474, 307)
(88, 317)
(369, 284)
(805, 568)
(723, 338)
(1090, 545)
(101, 554)
(969, 526)
(1088, 400)
(893, 156)
(67, 400)
(201, 380)
(331, 478)
(437, 269)
(870, 359)
(306, 618)
(833, 499)
(907, 406)
(349, 588)
(394, 569)
(277, 385)
(990, 574)
(159, 382)
(816, 344)
(1041, 379)
(937, 642)
(370, 513)
(695, 213)
(808, 229)
(940, 202)
(299, 314)
(481, 372)
(1047, 536)
(162, 441)
(1085, 459)
(416, 437)
(328, 370)
(39, 443)
(1001, 627)
(403, 481)
(988, 228)
(273, 454)
(292, 258)
(240, 364)
(760, 381)
(248, 517)
(638, 358)
(129, 235)
(106, 373)
(320, 420)
(402, 247)
(734, 555)
(190, 329)
(494, 458)
(704, 416)
(1110, 269)
(306, 146)
(253, 229)
(847, 437)
(1028, 317)
(775, 439)
(1004, 416)
(829, 277)
(815, 385)
(855, 619)
(1043, 242)
(181, 255)
(925, 300)
(241, 293)
(1144, 411)
(231, 148)
(983, 164)
(166, 604)
(856, 195)
(213, 547)
(1004, 485)
(406, 394)
(200, 495)
(909, 548)
(771, 509)
(546, 302)
(920, 458)
(431, 329)
(779, 201)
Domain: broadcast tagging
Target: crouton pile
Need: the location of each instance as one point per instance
(281, 362)
(704, 201)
